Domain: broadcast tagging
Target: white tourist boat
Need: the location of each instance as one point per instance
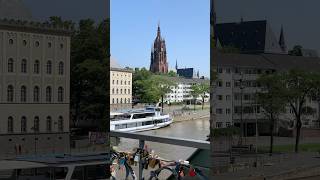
(139, 120)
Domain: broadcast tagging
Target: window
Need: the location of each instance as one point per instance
(120, 91)
(10, 65)
(117, 81)
(10, 93)
(112, 100)
(10, 41)
(48, 94)
(23, 97)
(128, 100)
(60, 123)
(125, 82)
(117, 91)
(112, 81)
(10, 124)
(117, 100)
(61, 46)
(219, 83)
(49, 44)
(219, 97)
(128, 82)
(36, 67)
(24, 42)
(219, 124)
(60, 94)
(228, 70)
(228, 124)
(36, 124)
(121, 101)
(219, 70)
(228, 111)
(49, 124)
(112, 90)
(61, 68)
(121, 82)
(23, 124)
(36, 94)
(219, 111)
(49, 67)
(125, 100)
(37, 44)
(228, 97)
(128, 91)
(24, 66)
(125, 91)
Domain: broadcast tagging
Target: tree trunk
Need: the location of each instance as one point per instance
(194, 104)
(271, 135)
(162, 103)
(298, 129)
(202, 102)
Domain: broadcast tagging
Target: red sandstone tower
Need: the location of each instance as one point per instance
(159, 62)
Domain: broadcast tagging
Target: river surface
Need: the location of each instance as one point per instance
(193, 129)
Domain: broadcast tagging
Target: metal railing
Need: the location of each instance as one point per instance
(199, 144)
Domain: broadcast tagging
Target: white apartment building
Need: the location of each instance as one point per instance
(181, 91)
(34, 88)
(237, 75)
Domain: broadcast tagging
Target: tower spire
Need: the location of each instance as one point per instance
(176, 64)
(282, 42)
(159, 33)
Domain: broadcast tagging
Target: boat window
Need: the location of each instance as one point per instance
(120, 117)
(131, 125)
(144, 115)
(147, 123)
(158, 121)
(60, 172)
(78, 173)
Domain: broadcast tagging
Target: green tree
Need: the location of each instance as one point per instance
(298, 85)
(271, 100)
(163, 85)
(204, 89)
(195, 93)
(296, 51)
(172, 74)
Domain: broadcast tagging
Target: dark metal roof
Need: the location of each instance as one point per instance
(247, 36)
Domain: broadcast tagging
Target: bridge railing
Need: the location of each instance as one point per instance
(199, 144)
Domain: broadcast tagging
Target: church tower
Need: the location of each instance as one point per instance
(282, 42)
(159, 62)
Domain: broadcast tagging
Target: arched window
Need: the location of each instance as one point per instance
(10, 124)
(37, 43)
(125, 82)
(23, 124)
(125, 100)
(117, 100)
(10, 41)
(112, 90)
(49, 44)
(24, 66)
(36, 94)
(36, 67)
(125, 91)
(112, 81)
(10, 65)
(61, 68)
(10, 93)
(117, 81)
(117, 91)
(120, 91)
(23, 96)
(49, 124)
(36, 124)
(121, 82)
(49, 67)
(48, 94)
(60, 123)
(60, 94)
(24, 42)
(128, 100)
(121, 101)
(112, 100)
(128, 91)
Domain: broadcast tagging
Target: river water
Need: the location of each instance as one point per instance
(193, 129)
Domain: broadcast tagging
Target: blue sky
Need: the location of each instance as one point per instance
(184, 25)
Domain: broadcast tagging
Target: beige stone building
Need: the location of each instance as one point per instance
(120, 88)
(34, 88)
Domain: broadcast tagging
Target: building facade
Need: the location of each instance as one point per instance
(181, 91)
(34, 87)
(159, 63)
(237, 86)
(120, 88)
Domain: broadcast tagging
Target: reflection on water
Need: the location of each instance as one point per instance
(195, 129)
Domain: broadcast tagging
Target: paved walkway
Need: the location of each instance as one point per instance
(294, 163)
